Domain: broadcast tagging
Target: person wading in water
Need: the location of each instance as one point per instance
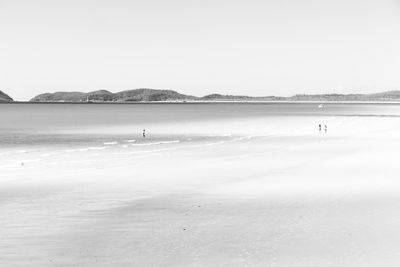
(144, 133)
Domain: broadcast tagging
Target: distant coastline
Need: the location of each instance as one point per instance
(170, 96)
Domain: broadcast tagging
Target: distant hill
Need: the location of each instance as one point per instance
(151, 95)
(106, 96)
(383, 96)
(60, 97)
(4, 97)
(219, 97)
(138, 95)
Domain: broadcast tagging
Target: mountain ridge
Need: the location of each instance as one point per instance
(134, 95)
(157, 95)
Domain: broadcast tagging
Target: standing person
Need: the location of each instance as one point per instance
(144, 133)
(320, 127)
(326, 128)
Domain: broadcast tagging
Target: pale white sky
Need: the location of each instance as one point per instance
(250, 47)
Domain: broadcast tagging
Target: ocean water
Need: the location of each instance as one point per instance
(34, 132)
(29, 127)
(29, 124)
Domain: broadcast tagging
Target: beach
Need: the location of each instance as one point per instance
(210, 185)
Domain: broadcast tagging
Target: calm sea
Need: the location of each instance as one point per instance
(54, 124)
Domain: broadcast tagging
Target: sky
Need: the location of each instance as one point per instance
(248, 47)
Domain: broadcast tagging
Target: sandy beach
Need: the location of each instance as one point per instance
(248, 191)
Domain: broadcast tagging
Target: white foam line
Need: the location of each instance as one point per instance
(110, 143)
(182, 147)
(210, 144)
(130, 141)
(241, 138)
(157, 143)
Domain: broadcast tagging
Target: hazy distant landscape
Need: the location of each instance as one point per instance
(156, 95)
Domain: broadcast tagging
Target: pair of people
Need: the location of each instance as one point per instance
(326, 128)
